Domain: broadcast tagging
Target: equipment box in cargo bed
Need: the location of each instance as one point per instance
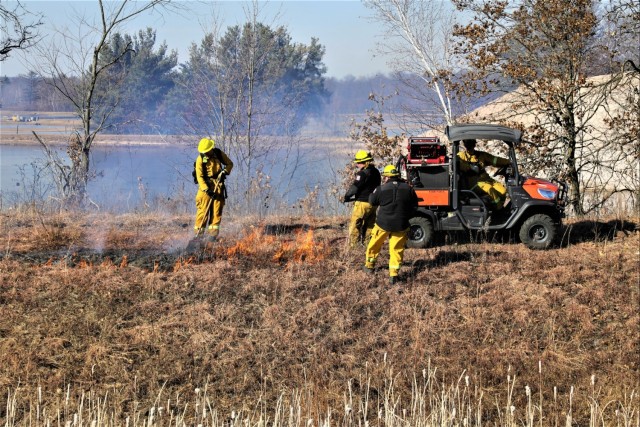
(426, 150)
(427, 168)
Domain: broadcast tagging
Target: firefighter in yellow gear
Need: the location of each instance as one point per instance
(363, 215)
(212, 167)
(476, 178)
(396, 201)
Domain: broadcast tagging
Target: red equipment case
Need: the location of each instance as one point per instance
(426, 150)
(427, 161)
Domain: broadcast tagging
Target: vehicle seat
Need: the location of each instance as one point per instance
(469, 198)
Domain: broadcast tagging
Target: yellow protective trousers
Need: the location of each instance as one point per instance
(494, 189)
(208, 213)
(363, 218)
(397, 241)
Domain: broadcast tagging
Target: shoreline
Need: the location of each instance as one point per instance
(27, 139)
(109, 139)
(56, 128)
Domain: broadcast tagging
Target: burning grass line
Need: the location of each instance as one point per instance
(182, 262)
(107, 264)
(304, 248)
(251, 244)
(84, 264)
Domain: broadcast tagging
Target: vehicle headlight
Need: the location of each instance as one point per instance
(547, 194)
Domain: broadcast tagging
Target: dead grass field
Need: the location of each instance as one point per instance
(95, 306)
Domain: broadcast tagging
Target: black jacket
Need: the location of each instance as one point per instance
(367, 179)
(397, 202)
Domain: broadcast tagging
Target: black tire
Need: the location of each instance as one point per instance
(420, 232)
(539, 231)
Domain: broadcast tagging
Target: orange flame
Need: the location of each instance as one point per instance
(251, 244)
(107, 263)
(84, 264)
(181, 262)
(303, 249)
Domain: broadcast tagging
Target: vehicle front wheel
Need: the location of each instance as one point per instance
(420, 232)
(539, 231)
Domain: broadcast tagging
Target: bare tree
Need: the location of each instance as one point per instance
(419, 39)
(72, 64)
(545, 47)
(623, 19)
(19, 29)
(374, 135)
(621, 135)
(612, 176)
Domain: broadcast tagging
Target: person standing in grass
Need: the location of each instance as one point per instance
(363, 215)
(212, 167)
(396, 201)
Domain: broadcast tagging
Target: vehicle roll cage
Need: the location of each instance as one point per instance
(457, 133)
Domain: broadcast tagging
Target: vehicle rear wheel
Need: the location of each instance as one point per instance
(538, 232)
(420, 232)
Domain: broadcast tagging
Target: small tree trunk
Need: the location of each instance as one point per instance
(575, 196)
(573, 179)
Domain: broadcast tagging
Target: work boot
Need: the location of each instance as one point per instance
(393, 280)
(368, 270)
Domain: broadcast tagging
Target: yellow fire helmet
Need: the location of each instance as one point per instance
(362, 156)
(390, 170)
(206, 145)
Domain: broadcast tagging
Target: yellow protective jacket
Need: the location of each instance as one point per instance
(212, 164)
(481, 159)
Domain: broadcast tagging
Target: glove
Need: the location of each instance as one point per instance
(210, 193)
(474, 168)
(346, 199)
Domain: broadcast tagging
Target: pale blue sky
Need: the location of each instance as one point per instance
(341, 26)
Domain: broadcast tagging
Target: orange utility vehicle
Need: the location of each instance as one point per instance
(534, 208)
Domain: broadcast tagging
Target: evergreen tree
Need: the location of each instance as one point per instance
(252, 76)
(138, 83)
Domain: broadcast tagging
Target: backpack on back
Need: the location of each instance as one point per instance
(216, 156)
(194, 174)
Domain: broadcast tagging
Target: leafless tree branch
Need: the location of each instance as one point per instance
(19, 29)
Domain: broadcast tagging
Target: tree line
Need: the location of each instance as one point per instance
(145, 90)
(250, 81)
(343, 98)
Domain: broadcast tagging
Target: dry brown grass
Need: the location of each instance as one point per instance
(112, 308)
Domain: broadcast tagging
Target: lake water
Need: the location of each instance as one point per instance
(128, 176)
